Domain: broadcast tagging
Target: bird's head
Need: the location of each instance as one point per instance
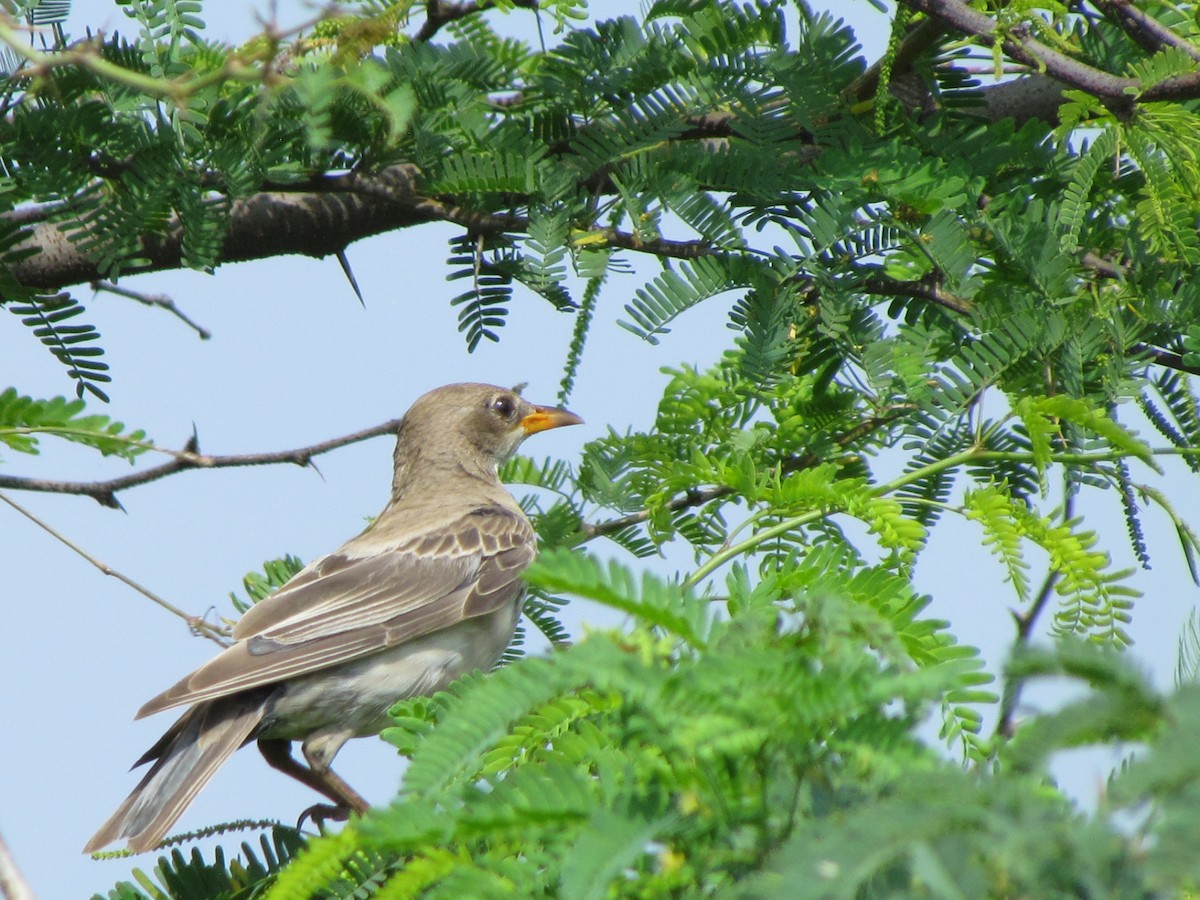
(473, 426)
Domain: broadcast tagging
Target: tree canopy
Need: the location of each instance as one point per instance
(974, 255)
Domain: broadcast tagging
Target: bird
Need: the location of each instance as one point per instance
(430, 590)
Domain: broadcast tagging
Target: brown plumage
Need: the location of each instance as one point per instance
(430, 590)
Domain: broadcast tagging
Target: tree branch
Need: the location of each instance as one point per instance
(1020, 45)
(925, 289)
(1149, 33)
(162, 301)
(920, 38)
(1006, 725)
(1166, 358)
(338, 210)
(439, 13)
(198, 625)
(105, 492)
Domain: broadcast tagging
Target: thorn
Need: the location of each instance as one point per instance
(109, 499)
(345, 263)
(312, 465)
(193, 443)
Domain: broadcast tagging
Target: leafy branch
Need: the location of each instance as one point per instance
(1117, 91)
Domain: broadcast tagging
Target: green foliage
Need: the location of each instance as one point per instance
(72, 345)
(261, 585)
(24, 421)
(192, 877)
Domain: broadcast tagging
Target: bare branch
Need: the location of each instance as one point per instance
(1006, 725)
(198, 624)
(1019, 44)
(439, 13)
(1026, 621)
(1033, 97)
(160, 300)
(1149, 33)
(105, 492)
(336, 211)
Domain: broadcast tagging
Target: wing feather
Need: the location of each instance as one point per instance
(355, 602)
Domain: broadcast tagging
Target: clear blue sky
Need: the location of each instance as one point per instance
(294, 359)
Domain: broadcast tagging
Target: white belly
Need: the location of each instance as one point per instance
(352, 700)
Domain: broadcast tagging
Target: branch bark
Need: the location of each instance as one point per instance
(105, 492)
(1145, 30)
(1119, 93)
(441, 12)
(334, 211)
(1021, 46)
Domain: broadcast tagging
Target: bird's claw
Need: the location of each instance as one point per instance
(320, 813)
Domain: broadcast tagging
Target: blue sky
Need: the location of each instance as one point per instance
(295, 359)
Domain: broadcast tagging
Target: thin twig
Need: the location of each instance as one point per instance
(197, 624)
(162, 301)
(1006, 726)
(1026, 621)
(105, 492)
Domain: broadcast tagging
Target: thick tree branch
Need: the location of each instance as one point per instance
(320, 222)
(1033, 97)
(1149, 33)
(105, 492)
(319, 218)
(1020, 45)
(439, 13)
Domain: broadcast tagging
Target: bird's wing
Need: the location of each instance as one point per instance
(344, 607)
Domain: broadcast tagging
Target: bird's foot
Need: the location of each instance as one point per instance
(320, 813)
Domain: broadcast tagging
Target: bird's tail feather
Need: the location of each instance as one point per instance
(184, 759)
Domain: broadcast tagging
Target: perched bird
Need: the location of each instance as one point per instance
(430, 590)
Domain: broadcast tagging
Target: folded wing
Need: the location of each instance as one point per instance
(365, 599)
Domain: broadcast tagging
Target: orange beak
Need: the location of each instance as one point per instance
(545, 417)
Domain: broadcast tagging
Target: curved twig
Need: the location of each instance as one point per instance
(197, 624)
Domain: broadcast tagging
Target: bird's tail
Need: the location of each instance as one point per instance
(184, 759)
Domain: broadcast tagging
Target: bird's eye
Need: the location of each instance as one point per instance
(505, 406)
